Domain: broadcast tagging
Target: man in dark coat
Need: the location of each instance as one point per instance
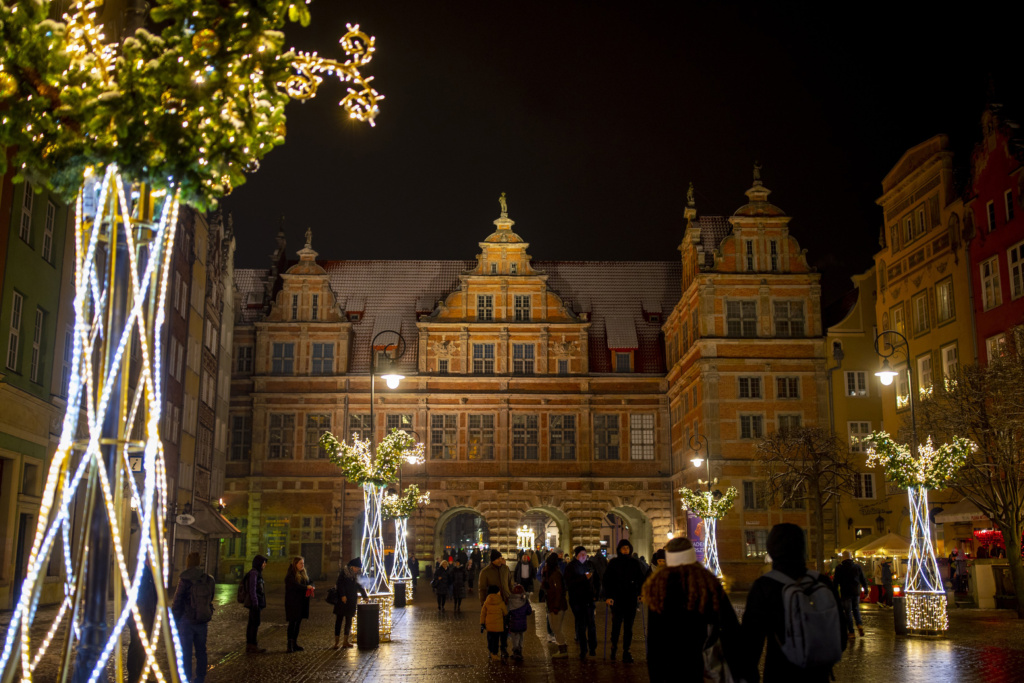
(849, 579)
(765, 615)
(255, 600)
(349, 590)
(622, 583)
(147, 604)
(584, 586)
(192, 608)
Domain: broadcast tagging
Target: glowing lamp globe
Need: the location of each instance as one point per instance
(392, 379)
(697, 462)
(886, 374)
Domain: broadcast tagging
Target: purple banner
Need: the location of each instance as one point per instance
(696, 533)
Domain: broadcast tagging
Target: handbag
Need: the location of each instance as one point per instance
(716, 669)
(332, 596)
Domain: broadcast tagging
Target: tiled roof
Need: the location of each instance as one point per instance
(621, 331)
(394, 290)
(249, 282)
(713, 229)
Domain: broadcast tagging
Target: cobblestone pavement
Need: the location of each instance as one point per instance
(982, 645)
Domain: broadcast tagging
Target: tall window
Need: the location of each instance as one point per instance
(442, 366)
(513, 268)
(919, 305)
(990, 212)
(25, 227)
(243, 359)
(908, 229)
(443, 436)
(483, 359)
(773, 247)
(484, 307)
(1015, 257)
(750, 387)
(622, 361)
(857, 433)
(36, 366)
(481, 437)
(14, 334)
(562, 439)
(295, 306)
(522, 307)
(924, 375)
(525, 437)
(398, 421)
(754, 495)
(991, 293)
(788, 423)
(563, 366)
(316, 426)
(282, 359)
(315, 308)
(950, 364)
(787, 387)
(641, 436)
(898, 321)
(864, 485)
(1008, 204)
(749, 253)
(755, 542)
(522, 359)
(51, 215)
(606, 437)
(323, 359)
(741, 318)
(358, 426)
(995, 346)
(789, 318)
(751, 426)
(282, 436)
(856, 383)
(944, 308)
(894, 236)
(241, 437)
(921, 224)
(902, 387)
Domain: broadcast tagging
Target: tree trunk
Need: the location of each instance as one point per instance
(819, 536)
(1011, 538)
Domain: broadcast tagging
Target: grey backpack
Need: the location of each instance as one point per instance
(811, 618)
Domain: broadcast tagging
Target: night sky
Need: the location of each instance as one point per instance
(594, 116)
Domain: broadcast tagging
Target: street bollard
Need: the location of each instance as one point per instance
(368, 626)
(899, 615)
(400, 594)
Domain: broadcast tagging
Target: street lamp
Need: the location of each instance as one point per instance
(696, 443)
(390, 373)
(886, 375)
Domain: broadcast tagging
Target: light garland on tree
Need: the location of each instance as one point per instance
(932, 468)
(704, 505)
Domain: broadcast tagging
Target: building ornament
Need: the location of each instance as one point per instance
(565, 349)
(448, 348)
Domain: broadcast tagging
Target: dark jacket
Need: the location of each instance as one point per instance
(531, 573)
(477, 557)
(442, 581)
(414, 568)
(458, 578)
(348, 587)
(256, 596)
(182, 603)
(296, 604)
(849, 579)
(623, 580)
(582, 591)
(554, 586)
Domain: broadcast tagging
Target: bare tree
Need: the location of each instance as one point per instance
(809, 465)
(986, 405)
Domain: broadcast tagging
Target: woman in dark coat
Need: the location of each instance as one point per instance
(297, 592)
(349, 589)
(458, 577)
(442, 584)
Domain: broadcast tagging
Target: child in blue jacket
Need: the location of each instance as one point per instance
(518, 609)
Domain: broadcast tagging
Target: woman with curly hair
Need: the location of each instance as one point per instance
(689, 610)
(297, 592)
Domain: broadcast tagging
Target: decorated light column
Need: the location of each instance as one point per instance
(710, 509)
(399, 508)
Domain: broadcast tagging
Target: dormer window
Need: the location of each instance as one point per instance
(623, 361)
(355, 317)
(750, 254)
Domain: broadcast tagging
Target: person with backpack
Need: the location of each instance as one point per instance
(347, 591)
(691, 623)
(583, 585)
(297, 592)
(797, 611)
(192, 608)
(252, 595)
(849, 579)
(622, 583)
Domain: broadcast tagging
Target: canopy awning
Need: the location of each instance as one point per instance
(859, 543)
(964, 511)
(890, 544)
(209, 524)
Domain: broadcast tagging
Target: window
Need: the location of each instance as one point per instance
(398, 421)
(856, 383)
(525, 437)
(243, 359)
(176, 359)
(921, 225)
(924, 375)
(944, 308)
(898, 323)
(208, 389)
(481, 437)
(740, 318)
(857, 433)
(283, 358)
(314, 313)
(755, 542)
(894, 236)
(950, 364)
(295, 306)
(990, 211)
(323, 359)
(443, 436)
(787, 387)
(241, 437)
(995, 347)
(788, 423)
(751, 426)
(1008, 204)
(25, 227)
(442, 366)
(563, 366)
(14, 335)
(316, 426)
(908, 229)
(919, 306)
(483, 359)
(522, 307)
(902, 387)
(484, 307)
(622, 361)
(606, 437)
(514, 268)
(51, 214)
(237, 547)
(864, 485)
(750, 254)
(750, 387)
(562, 437)
(991, 293)
(312, 529)
(1015, 257)
(494, 269)
(789, 319)
(65, 370)
(282, 436)
(641, 437)
(773, 249)
(796, 500)
(753, 495)
(522, 359)
(36, 365)
(358, 426)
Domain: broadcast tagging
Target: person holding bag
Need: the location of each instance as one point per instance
(297, 592)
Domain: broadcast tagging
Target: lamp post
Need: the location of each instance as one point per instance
(695, 443)
(886, 375)
(710, 555)
(390, 374)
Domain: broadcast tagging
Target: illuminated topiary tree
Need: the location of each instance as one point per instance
(399, 508)
(710, 510)
(129, 132)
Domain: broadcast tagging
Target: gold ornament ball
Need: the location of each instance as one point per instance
(8, 86)
(206, 43)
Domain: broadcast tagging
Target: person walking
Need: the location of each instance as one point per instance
(441, 583)
(887, 581)
(623, 581)
(349, 590)
(255, 602)
(192, 608)
(849, 579)
(518, 610)
(496, 573)
(558, 605)
(583, 585)
(492, 620)
(147, 604)
(765, 617)
(525, 572)
(414, 568)
(297, 592)
(458, 577)
(688, 610)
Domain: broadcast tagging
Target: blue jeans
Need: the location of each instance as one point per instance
(852, 608)
(193, 634)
